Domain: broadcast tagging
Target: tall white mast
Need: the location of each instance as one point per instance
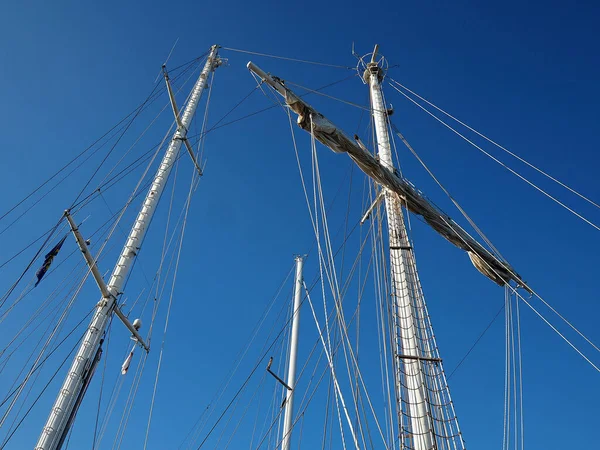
(408, 365)
(426, 416)
(291, 378)
(69, 397)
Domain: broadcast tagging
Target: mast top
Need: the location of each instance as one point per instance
(372, 64)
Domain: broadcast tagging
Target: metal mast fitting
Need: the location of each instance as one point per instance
(65, 405)
(410, 382)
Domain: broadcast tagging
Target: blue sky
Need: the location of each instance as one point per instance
(524, 74)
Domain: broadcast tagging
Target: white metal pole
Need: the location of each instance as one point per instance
(291, 378)
(403, 292)
(64, 404)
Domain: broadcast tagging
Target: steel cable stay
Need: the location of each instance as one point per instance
(182, 233)
(34, 369)
(160, 146)
(493, 158)
(491, 141)
(54, 333)
(29, 325)
(50, 353)
(513, 389)
(323, 269)
(194, 140)
(141, 364)
(47, 302)
(115, 144)
(11, 289)
(242, 353)
(98, 408)
(18, 425)
(168, 278)
(121, 175)
(490, 244)
(260, 360)
(54, 313)
(339, 314)
(310, 213)
(302, 179)
(29, 288)
(515, 291)
(305, 366)
(288, 59)
(97, 145)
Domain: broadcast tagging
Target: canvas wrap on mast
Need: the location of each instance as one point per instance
(492, 266)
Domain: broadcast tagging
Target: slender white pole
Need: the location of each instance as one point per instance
(403, 289)
(291, 378)
(65, 404)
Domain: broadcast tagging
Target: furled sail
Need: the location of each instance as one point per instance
(329, 135)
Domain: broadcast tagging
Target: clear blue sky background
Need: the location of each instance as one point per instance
(524, 74)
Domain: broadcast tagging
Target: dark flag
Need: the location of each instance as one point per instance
(48, 261)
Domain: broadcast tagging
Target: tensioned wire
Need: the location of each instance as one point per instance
(288, 59)
(275, 340)
(493, 158)
(186, 209)
(537, 169)
(75, 295)
(339, 314)
(118, 128)
(141, 365)
(312, 219)
(516, 292)
(119, 176)
(211, 129)
(316, 231)
(50, 297)
(12, 433)
(187, 206)
(477, 229)
(113, 229)
(11, 289)
(239, 391)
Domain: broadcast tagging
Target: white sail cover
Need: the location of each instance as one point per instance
(329, 135)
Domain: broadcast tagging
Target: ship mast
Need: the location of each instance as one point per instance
(409, 376)
(291, 378)
(77, 379)
(426, 416)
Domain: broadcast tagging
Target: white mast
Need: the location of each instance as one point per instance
(291, 378)
(66, 403)
(403, 277)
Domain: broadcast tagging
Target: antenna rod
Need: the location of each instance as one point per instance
(291, 378)
(57, 425)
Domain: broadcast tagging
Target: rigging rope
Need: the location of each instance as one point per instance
(514, 172)
(500, 146)
(183, 227)
(288, 59)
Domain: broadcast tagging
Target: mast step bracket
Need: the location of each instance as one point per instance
(419, 358)
(400, 247)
